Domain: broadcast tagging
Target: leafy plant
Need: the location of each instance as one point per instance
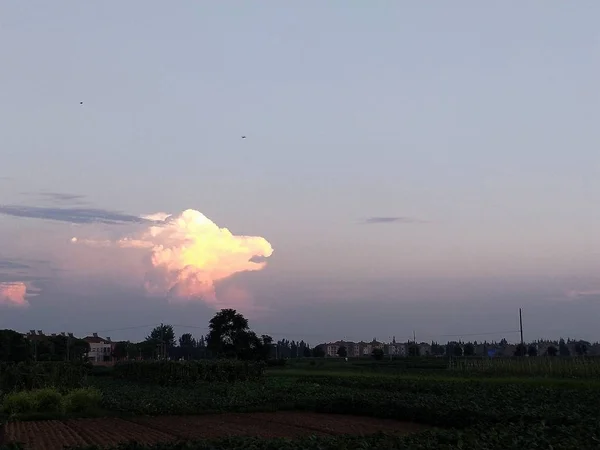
(82, 400)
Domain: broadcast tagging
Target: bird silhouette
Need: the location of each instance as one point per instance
(243, 137)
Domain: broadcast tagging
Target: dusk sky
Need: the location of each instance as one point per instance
(406, 166)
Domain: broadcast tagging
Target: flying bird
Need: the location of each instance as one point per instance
(243, 137)
(81, 103)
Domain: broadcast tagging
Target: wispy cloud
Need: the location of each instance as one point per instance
(375, 220)
(62, 197)
(10, 265)
(77, 215)
(584, 295)
(57, 198)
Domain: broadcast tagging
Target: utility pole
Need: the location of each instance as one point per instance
(162, 340)
(521, 326)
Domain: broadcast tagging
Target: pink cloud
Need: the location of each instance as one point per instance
(13, 293)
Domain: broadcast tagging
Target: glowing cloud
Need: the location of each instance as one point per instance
(13, 293)
(189, 253)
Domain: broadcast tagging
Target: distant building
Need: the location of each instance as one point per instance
(100, 350)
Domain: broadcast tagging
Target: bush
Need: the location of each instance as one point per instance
(18, 403)
(47, 400)
(81, 400)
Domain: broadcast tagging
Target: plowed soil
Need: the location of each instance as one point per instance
(54, 434)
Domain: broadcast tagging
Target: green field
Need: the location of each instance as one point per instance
(470, 410)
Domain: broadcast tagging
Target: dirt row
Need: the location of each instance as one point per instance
(54, 434)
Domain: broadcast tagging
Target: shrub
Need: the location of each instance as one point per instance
(18, 403)
(83, 399)
(47, 400)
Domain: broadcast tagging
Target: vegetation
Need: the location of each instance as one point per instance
(170, 373)
(568, 367)
(50, 402)
(230, 337)
(526, 401)
(29, 375)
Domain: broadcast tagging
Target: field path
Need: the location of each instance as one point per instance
(55, 434)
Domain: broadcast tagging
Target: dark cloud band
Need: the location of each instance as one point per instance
(71, 215)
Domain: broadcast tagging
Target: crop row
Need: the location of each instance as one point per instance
(585, 435)
(170, 373)
(446, 403)
(27, 376)
(565, 367)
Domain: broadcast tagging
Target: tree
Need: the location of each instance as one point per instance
(469, 349)
(532, 350)
(163, 333)
(457, 350)
(342, 352)
(521, 350)
(377, 353)
(187, 341)
(318, 352)
(552, 351)
(187, 346)
(14, 347)
(120, 350)
(581, 348)
(563, 349)
(230, 337)
(414, 350)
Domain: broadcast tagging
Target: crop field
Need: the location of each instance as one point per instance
(54, 435)
(208, 407)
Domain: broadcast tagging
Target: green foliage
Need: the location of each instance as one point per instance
(377, 353)
(469, 349)
(47, 400)
(51, 402)
(14, 347)
(18, 403)
(230, 337)
(163, 333)
(318, 352)
(82, 400)
(342, 352)
(565, 367)
(168, 373)
(27, 376)
(438, 401)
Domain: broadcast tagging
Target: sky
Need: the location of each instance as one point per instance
(332, 170)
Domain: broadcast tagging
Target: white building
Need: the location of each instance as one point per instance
(100, 349)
